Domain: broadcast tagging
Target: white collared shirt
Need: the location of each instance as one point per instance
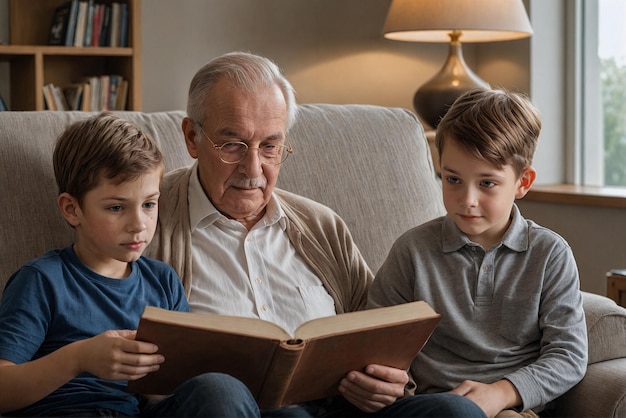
(254, 273)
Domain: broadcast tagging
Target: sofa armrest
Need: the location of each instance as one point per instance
(601, 393)
(606, 328)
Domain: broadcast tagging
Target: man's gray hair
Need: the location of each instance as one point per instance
(244, 70)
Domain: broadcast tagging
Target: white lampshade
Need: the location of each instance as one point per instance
(453, 21)
(478, 20)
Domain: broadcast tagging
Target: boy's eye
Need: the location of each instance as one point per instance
(453, 180)
(150, 205)
(487, 183)
(115, 208)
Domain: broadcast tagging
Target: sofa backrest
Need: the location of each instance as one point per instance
(370, 164)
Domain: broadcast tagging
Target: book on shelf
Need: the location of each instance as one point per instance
(116, 20)
(124, 25)
(81, 23)
(91, 8)
(73, 95)
(92, 93)
(97, 24)
(89, 23)
(71, 25)
(279, 368)
(105, 93)
(85, 101)
(59, 98)
(3, 105)
(122, 95)
(48, 97)
(105, 28)
(114, 88)
(59, 25)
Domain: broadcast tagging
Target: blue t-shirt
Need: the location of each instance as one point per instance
(55, 299)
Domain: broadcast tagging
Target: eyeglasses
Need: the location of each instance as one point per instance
(234, 152)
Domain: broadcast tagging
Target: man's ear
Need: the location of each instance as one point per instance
(526, 180)
(69, 208)
(189, 130)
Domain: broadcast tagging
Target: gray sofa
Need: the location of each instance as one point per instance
(371, 164)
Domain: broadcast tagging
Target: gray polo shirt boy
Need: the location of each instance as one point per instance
(513, 311)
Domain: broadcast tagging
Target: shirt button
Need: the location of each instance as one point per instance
(258, 280)
(264, 307)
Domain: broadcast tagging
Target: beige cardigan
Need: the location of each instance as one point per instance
(318, 234)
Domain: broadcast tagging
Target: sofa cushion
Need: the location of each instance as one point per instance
(606, 328)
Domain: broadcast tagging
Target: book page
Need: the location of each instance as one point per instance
(365, 319)
(233, 324)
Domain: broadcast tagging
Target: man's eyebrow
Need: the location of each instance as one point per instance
(230, 133)
(276, 136)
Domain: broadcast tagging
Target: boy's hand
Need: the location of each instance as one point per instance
(375, 389)
(491, 398)
(116, 355)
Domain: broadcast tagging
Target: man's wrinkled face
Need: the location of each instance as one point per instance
(240, 191)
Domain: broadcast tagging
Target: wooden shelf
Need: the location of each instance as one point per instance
(33, 63)
(8, 50)
(612, 197)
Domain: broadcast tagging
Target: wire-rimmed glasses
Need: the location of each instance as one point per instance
(234, 152)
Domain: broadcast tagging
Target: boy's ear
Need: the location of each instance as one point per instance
(526, 180)
(69, 208)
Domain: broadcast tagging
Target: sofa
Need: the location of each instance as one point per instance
(370, 164)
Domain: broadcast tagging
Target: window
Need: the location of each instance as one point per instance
(602, 94)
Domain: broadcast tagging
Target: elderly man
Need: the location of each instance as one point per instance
(243, 247)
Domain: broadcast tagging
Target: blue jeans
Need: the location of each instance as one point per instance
(437, 405)
(214, 395)
(221, 395)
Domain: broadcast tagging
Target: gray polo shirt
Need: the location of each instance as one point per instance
(513, 311)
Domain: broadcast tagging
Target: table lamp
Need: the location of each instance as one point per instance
(453, 21)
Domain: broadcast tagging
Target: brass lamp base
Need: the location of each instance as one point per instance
(433, 99)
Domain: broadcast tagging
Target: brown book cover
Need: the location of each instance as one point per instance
(280, 369)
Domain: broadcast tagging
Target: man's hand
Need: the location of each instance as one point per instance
(491, 398)
(116, 355)
(375, 389)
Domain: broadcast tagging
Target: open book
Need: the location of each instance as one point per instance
(280, 369)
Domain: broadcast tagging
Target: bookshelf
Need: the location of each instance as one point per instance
(33, 63)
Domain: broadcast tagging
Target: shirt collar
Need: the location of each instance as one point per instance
(516, 237)
(202, 213)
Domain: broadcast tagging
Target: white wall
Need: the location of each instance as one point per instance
(595, 234)
(331, 50)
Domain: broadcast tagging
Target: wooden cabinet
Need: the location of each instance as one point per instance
(616, 286)
(32, 63)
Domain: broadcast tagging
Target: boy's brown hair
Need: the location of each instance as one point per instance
(102, 146)
(497, 126)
